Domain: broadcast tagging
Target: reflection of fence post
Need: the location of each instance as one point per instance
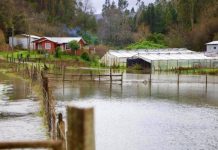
(178, 75)
(80, 128)
(150, 79)
(99, 77)
(122, 78)
(91, 75)
(206, 82)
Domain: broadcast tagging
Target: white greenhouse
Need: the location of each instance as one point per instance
(159, 59)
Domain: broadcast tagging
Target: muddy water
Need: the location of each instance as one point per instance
(19, 117)
(138, 116)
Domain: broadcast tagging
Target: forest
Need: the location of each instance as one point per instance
(165, 23)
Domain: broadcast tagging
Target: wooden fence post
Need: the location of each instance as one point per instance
(110, 75)
(46, 100)
(80, 128)
(63, 73)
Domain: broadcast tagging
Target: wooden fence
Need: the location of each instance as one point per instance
(91, 76)
(78, 117)
(55, 145)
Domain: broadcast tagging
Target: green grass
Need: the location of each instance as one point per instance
(93, 62)
(144, 44)
(33, 54)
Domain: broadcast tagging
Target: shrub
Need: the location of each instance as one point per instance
(57, 52)
(85, 56)
(144, 44)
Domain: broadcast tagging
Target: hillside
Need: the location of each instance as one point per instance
(182, 23)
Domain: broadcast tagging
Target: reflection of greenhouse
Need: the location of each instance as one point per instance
(161, 59)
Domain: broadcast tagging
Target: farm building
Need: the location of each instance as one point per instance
(212, 48)
(23, 41)
(51, 43)
(117, 57)
(159, 59)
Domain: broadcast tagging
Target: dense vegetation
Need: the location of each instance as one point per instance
(180, 23)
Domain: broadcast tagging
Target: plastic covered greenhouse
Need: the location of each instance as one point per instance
(160, 59)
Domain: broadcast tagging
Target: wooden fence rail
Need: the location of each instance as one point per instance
(55, 145)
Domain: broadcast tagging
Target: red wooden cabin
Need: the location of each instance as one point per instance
(51, 43)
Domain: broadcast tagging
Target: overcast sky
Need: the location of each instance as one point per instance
(97, 4)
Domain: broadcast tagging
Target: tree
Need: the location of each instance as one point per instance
(74, 46)
(122, 4)
(85, 16)
(114, 27)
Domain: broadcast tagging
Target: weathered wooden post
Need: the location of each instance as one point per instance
(110, 76)
(122, 78)
(63, 73)
(46, 100)
(80, 128)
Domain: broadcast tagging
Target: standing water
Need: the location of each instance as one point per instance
(138, 116)
(19, 111)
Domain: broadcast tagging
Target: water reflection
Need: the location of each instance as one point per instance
(138, 115)
(19, 119)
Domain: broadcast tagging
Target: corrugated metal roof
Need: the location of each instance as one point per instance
(213, 43)
(61, 40)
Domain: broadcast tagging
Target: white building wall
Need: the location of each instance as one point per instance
(22, 41)
(212, 49)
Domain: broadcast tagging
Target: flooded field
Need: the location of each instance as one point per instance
(19, 111)
(161, 116)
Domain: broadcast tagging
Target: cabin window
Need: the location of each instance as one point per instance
(67, 46)
(47, 45)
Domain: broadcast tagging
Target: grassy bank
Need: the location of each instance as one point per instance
(85, 60)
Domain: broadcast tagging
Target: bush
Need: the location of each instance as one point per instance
(57, 52)
(144, 44)
(85, 56)
(157, 38)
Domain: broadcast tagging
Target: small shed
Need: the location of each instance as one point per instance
(212, 48)
(23, 41)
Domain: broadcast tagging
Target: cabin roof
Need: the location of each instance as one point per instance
(61, 40)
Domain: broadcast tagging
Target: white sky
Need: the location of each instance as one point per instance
(97, 4)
